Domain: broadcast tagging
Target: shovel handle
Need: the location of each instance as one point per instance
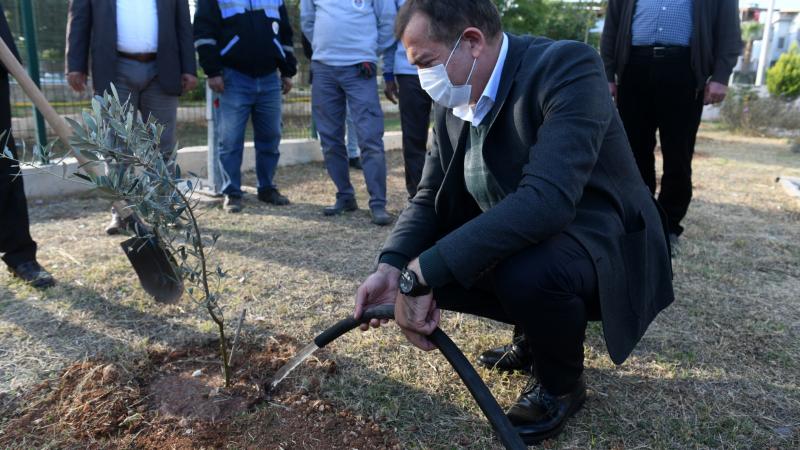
(59, 125)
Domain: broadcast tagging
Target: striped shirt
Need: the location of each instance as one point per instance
(662, 22)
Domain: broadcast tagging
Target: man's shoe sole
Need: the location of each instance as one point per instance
(537, 439)
(504, 369)
(338, 212)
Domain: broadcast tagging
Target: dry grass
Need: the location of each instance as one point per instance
(718, 369)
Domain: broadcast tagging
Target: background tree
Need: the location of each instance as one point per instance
(783, 79)
(751, 31)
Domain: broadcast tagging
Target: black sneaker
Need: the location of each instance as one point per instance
(355, 163)
(272, 196)
(342, 205)
(34, 274)
(232, 204)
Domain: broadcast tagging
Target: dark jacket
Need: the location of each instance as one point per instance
(715, 45)
(5, 35)
(254, 38)
(558, 148)
(92, 35)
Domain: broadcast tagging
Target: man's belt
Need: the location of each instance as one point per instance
(141, 57)
(659, 52)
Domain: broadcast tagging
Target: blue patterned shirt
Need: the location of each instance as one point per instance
(662, 22)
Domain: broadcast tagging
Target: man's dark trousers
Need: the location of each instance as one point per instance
(660, 93)
(415, 117)
(16, 244)
(550, 291)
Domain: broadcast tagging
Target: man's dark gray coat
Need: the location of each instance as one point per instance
(92, 35)
(558, 148)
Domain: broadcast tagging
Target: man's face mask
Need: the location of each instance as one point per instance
(437, 84)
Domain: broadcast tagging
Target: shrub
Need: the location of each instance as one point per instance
(783, 79)
(745, 111)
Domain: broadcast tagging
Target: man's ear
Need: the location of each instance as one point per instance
(475, 39)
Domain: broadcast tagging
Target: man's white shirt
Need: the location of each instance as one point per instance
(137, 26)
(477, 113)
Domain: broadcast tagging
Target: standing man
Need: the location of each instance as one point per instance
(347, 36)
(402, 82)
(530, 209)
(664, 60)
(143, 47)
(16, 245)
(242, 46)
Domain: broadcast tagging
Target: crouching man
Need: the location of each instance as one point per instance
(530, 210)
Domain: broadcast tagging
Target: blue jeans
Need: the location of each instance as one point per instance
(245, 96)
(352, 139)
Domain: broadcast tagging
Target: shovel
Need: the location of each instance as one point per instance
(154, 266)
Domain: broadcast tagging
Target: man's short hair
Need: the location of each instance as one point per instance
(449, 18)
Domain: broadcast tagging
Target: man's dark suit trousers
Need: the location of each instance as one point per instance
(661, 94)
(415, 118)
(16, 244)
(550, 291)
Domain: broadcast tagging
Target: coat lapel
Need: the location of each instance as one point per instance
(516, 51)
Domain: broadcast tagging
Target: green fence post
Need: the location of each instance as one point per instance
(26, 9)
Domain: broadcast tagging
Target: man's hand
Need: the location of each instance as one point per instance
(391, 91)
(612, 88)
(417, 317)
(217, 84)
(715, 93)
(188, 82)
(77, 81)
(286, 85)
(380, 288)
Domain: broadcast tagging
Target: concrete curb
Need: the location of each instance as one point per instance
(47, 181)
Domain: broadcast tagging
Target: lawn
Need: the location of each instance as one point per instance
(720, 368)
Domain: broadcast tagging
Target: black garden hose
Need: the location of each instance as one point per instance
(505, 431)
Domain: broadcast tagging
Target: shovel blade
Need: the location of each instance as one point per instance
(155, 268)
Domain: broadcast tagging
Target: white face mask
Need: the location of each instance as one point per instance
(437, 84)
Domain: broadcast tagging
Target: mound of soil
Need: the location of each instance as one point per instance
(177, 399)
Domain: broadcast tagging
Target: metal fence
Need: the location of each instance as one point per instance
(49, 22)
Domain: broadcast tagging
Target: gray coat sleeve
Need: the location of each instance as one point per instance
(416, 227)
(79, 31)
(183, 27)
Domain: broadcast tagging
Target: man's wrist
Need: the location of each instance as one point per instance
(388, 269)
(415, 267)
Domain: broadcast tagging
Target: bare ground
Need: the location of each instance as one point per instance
(718, 369)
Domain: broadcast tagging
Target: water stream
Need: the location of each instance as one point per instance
(292, 364)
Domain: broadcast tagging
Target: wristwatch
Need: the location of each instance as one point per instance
(410, 285)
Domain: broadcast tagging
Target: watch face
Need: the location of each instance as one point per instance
(406, 282)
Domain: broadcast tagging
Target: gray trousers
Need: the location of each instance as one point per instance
(334, 89)
(138, 82)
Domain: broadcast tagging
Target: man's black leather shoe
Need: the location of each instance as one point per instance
(272, 196)
(341, 205)
(34, 274)
(538, 415)
(510, 357)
